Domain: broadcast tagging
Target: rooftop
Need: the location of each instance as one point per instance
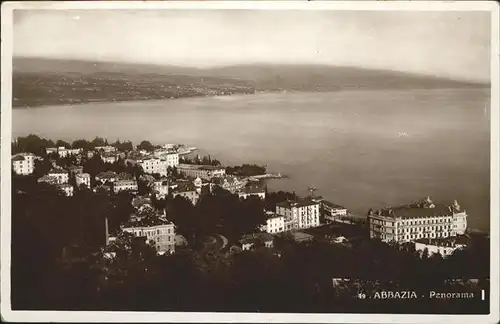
(253, 190)
(47, 178)
(200, 167)
(273, 215)
(296, 203)
(148, 222)
(18, 158)
(419, 209)
(140, 201)
(107, 174)
(332, 205)
(57, 171)
(185, 187)
(82, 175)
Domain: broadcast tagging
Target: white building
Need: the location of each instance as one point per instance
(109, 157)
(160, 233)
(23, 163)
(124, 185)
(252, 191)
(82, 178)
(154, 165)
(160, 188)
(105, 149)
(64, 152)
(250, 240)
(206, 172)
(422, 219)
(61, 175)
(332, 211)
(299, 214)
(188, 191)
(445, 247)
(51, 150)
(274, 224)
(168, 155)
(67, 189)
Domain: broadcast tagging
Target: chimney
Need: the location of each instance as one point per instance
(106, 229)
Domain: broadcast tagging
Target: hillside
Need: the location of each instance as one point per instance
(39, 82)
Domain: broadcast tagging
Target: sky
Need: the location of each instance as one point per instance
(449, 44)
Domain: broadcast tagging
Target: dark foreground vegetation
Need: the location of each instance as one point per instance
(291, 277)
(58, 257)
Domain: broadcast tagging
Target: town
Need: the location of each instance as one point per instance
(113, 203)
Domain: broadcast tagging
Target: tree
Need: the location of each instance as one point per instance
(123, 146)
(42, 167)
(146, 145)
(82, 144)
(31, 144)
(94, 165)
(99, 141)
(61, 143)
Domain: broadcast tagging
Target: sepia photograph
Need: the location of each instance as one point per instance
(238, 161)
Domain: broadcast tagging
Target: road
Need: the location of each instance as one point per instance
(214, 242)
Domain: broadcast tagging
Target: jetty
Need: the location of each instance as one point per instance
(267, 176)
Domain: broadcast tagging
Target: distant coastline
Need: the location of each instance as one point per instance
(43, 82)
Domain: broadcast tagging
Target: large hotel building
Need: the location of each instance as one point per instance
(299, 214)
(422, 219)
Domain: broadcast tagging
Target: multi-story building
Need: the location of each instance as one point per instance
(206, 172)
(158, 232)
(301, 213)
(82, 178)
(109, 157)
(331, 211)
(61, 175)
(160, 188)
(64, 152)
(188, 191)
(171, 157)
(274, 223)
(125, 185)
(254, 190)
(105, 149)
(23, 163)
(422, 219)
(153, 165)
(67, 189)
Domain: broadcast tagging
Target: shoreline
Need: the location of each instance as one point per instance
(260, 92)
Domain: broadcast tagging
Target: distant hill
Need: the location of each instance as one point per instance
(39, 81)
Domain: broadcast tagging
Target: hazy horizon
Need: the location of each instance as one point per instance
(450, 45)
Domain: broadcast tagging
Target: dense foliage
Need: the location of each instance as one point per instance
(205, 160)
(246, 170)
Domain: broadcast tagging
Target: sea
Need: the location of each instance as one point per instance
(361, 149)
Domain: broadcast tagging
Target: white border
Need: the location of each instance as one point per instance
(6, 122)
